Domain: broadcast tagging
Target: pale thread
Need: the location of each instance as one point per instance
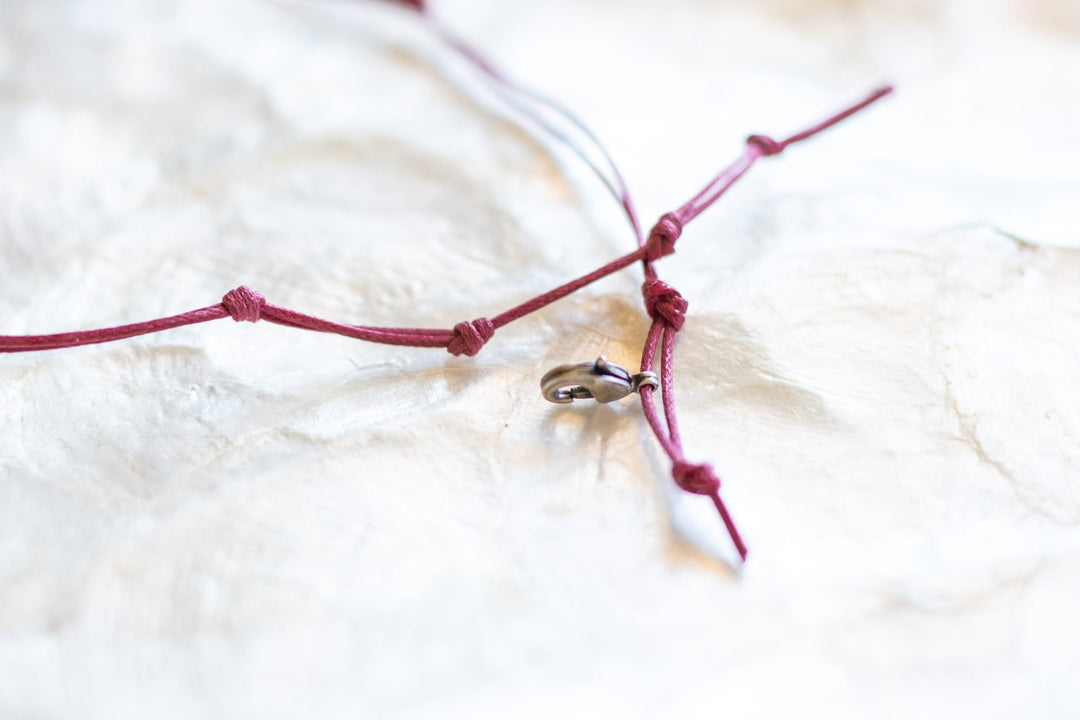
(665, 305)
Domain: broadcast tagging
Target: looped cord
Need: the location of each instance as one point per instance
(766, 145)
(665, 303)
(662, 237)
(470, 337)
(699, 479)
(244, 304)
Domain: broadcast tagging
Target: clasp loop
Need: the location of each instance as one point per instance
(600, 380)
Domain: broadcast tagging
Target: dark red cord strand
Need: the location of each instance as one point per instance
(665, 305)
(466, 338)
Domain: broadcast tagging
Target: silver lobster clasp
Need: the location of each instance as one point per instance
(600, 380)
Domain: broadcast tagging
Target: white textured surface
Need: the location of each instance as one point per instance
(247, 521)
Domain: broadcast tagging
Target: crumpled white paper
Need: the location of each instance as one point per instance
(244, 520)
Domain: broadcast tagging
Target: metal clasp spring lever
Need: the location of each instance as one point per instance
(599, 380)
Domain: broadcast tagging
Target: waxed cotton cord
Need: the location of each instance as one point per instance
(665, 306)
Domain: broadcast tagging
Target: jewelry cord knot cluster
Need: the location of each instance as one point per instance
(665, 305)
(244, 304)
(470, 337)
(662, 237)
(766, 145)
(699, 479)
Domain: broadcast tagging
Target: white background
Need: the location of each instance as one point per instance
(251, 521)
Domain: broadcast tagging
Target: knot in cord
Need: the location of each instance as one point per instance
(469, 337)
(664, 303)
(699, 479)
(244, 304)
(662, 237)
(765, 144)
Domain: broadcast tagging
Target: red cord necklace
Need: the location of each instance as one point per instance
(599, 379)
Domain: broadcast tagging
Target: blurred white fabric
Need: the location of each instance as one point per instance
(250, 521)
